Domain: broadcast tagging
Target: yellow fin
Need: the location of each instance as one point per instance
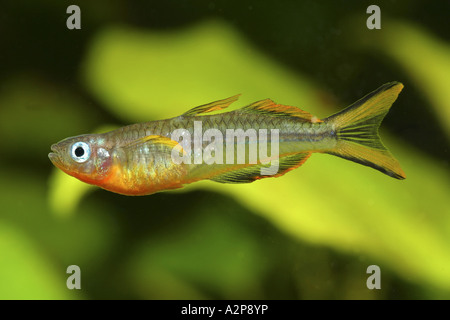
(157, 140)
(269, 107)
(357, 131)
(252, 173)
(213, 106)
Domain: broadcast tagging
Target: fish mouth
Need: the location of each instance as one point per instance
(54, 156)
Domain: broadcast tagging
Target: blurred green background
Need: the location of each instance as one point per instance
(308, 235)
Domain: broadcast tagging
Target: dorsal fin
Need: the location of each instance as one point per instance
(269, 107)
(213, 106)
(252, 173)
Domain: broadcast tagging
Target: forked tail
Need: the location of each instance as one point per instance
(356, 129)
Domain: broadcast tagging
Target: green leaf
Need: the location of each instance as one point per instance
(25, 272)
(151, 75)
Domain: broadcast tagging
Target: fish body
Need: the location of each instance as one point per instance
(261, 140)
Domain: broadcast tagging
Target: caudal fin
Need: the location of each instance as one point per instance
(356, 129)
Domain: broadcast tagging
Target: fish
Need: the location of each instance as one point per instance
(145, 158)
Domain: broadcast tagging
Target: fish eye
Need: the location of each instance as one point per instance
(80, 152)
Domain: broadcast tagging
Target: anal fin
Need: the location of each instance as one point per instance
(251, 173)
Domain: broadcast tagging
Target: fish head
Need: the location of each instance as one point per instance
(85, 157)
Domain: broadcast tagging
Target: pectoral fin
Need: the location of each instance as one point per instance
(157, 142)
